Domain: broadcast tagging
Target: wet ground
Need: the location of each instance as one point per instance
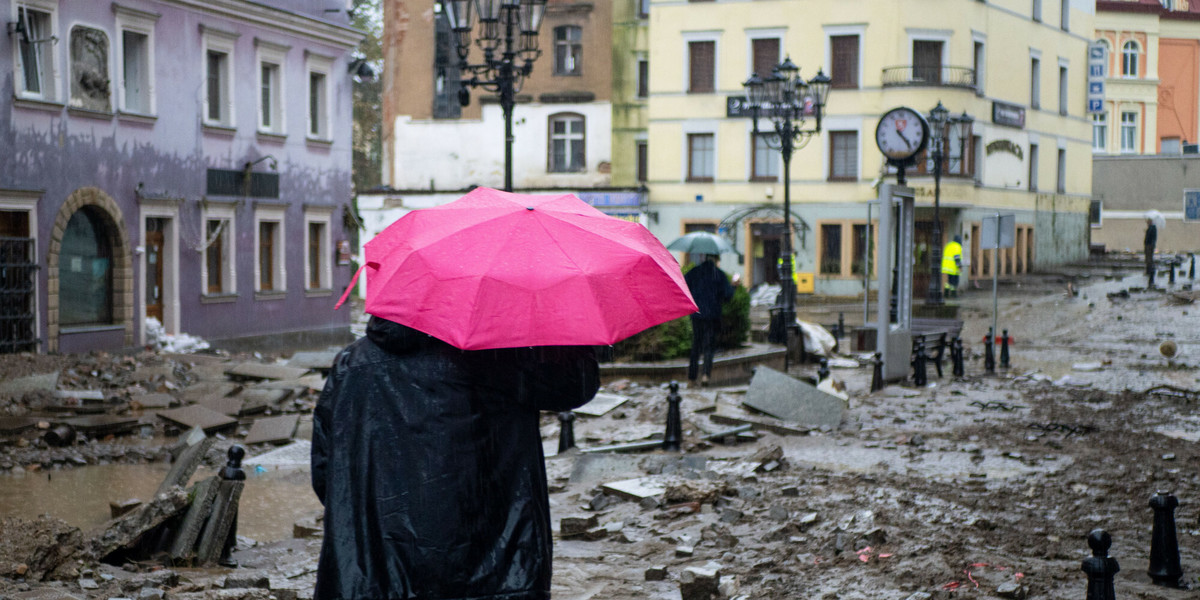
(983, 487)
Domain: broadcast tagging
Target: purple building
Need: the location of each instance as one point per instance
(187, 160)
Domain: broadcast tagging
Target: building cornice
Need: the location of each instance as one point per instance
(276, 19)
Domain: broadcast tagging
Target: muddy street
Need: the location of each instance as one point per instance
(983, 487)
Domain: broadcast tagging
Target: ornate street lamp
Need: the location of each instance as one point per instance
(507, 34)
(941, 126)
(788, 102)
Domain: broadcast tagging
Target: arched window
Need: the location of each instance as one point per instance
(1129, 59)
(567, 142)
(85, 271)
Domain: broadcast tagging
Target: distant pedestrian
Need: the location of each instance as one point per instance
(710, 289)
(952, 265)
(1148, 244)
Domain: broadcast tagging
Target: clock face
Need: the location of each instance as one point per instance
(902, 134)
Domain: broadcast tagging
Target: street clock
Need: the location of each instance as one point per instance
(902, 133)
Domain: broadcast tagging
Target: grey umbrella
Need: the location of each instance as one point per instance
(702, 242)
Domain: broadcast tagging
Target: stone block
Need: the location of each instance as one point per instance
(576, 525)
(274, 430)
(699, 583)
(656, 573)
(792, 400)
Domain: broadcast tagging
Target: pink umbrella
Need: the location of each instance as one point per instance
(500, 270)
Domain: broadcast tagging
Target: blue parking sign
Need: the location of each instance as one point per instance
(1095, 105)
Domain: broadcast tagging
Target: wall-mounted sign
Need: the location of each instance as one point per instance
(1005, 146)
(1008, 114)
(1097, 72)
(739, 106)
(610, 199)
(1191, 206)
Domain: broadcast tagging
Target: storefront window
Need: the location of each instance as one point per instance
(85, 272)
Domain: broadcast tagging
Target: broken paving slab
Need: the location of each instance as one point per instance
(792, 400)
(207, 389)
(265, 397)
(23, 385)
(637, 489)
(15, 425)
(197, 416)
(101, 425)
(153, 401)
(226, 405)
(89, 396)
(146, 373)
(273, 430)
(259, 371)
(601, 404)
(764, 423)
(316, 361)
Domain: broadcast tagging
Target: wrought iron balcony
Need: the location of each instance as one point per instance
(963, 77)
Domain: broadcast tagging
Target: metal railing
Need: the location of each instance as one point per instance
(963, 77)
(17, 268)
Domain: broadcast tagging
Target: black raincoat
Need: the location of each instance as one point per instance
(428, 460)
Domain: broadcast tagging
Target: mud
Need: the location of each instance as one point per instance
(984, 487)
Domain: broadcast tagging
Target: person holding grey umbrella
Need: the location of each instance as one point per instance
(710, 289)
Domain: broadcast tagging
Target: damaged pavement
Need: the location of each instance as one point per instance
(981, 486)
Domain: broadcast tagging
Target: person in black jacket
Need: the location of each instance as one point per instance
(428, 460)
(710, 289)
(1148, 243)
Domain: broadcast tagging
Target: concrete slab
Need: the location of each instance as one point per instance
(273, 430)
(207, 389)
(592, 468)
(81, 395)
(264, 397)
(637, 489)
(15, 425)
(792, 400)
(763, 423)
(320, 360)
(226, 405)
(152, 373)
(153, 401)
(101, 425)
(23, 385)
(197, 416)
(601, 404)
(258, 371)
(295, 454)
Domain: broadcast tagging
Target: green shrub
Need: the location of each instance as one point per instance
(735, 320)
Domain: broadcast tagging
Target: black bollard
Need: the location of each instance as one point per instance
(956, 357)
(1171, 277)
(877, 372)
(1099, 567)
(673, 438)
(1192, 269)
(1004, 363)
(232, 471)
(841, 330)
(1164, 547)
(566, 430)
(823, 370)
(920, 376)
(989, 353)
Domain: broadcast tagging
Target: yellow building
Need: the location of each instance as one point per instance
(1016, 66)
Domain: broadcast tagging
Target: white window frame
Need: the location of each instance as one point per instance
(703, 36)
(277, 215)
(857, 159)
(323, 65)
(141, 22)
(832, 31)
(227, 213)
(763, 34)
(1133, 148)
(840, 123)
(775, 157)
(48, 51)
(216, 40)
(568, 137)
(274, 54)
(1137, 58)
(1061, 183)
(928, 35)
(169, 210)
(1100, 120)
(981, 70)
(1035, 80)
(324, 216)
(1064, 86)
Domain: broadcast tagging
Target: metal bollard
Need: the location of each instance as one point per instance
(956, 356)
(1192, 269)
(1099, 567)
(1004, 362)
(877, 372)
(823, 370)
(989, 353)
(1164, 569)
(566, 430)
(232, 471)
(1171, 277)
(920, 376)
(673, 438)
(841, 329)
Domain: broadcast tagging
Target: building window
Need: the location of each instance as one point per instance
(843, 64)
(1065, 16)
(317, 273)
(843, 155)
(927, 61)
(643, 8)
(85, 271)
(567, 142)
(136, 60)
(1062, 171)
(270, 87)
(35, 53)
(980, 62)
(1062, 90)
(318, 68)
(270, 272)
(218, 62)
(1100, 132)
(89, 69)
(219, 271)
(1129, 132)
(1096, 213)
(568, 50)
(765, 160)
(643, 78)
(764, 54)
(863, 246)
(701, 67)
(1033, 167)
(643, 161)
(1035, 83)
(701, 156)
(1129, 59)
(1037, 10)
(831, 249)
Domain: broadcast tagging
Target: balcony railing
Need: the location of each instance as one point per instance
(963, 77)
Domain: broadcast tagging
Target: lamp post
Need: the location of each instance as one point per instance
(788, 102)
(508, 37)
(941, 124)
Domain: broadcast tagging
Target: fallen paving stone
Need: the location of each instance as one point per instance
(656, 573)
(684, 551)
(1087, 367)
(258, 371)
(207, 389)
(226, 405)
(320, 360)
(247, 580)
(153, 401)
(258, 399)
(82, 395)
(637, 489)
(576, 525)
(308, 527)
(20, 386)
(699, 583)
(194, 445)
(792, 400)
(130, 527)
(601, 404)
(117, 509)
(15, 425)
(198, 416)
(275, 430)
(151, 373)
(102, 425)
(768, 424)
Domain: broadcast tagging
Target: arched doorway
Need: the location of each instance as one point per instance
(90, 270)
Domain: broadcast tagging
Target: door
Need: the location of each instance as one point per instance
(155, 242)
(922, 253)
(927, 61)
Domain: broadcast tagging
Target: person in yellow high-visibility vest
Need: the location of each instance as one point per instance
(952, 265)
(795, 276)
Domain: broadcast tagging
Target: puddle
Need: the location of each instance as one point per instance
(271, 502)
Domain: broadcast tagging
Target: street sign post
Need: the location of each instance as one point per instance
(996, 232)
(1097, 72)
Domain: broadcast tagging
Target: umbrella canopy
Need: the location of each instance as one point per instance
(701, 242)
(1157, 218)
(500, 270)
